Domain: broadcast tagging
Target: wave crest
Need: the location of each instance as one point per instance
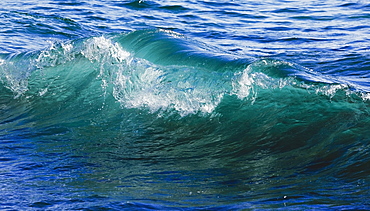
(178, 77)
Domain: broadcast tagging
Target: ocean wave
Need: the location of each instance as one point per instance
(155, 98)
(103, 79)
(157, 75)
(159, 70)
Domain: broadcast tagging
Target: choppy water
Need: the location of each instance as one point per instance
(184, 105)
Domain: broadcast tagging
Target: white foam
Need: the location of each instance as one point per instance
(13, 79)
(244, 86)
(331, 90)
(365, 96)
(67, 47)
(98, 48)
(142, 84)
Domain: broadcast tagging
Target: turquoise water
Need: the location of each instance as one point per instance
(184, 105)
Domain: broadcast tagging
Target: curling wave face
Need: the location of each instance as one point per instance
(157, 69)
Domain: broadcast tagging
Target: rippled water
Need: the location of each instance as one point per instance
(184, 105)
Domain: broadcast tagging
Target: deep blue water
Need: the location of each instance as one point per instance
(184, 105)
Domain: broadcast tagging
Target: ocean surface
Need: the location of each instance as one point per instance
(184, 105)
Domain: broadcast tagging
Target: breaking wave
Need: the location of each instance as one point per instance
(157, 86)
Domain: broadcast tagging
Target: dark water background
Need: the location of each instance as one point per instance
(184, 105)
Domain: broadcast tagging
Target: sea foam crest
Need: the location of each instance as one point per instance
(138, 83)
(101, 48)
(249, 81)
(55, 55)
(275, 74)
(365, 96)
(14, 76)
(159, 88)
(244, 86)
